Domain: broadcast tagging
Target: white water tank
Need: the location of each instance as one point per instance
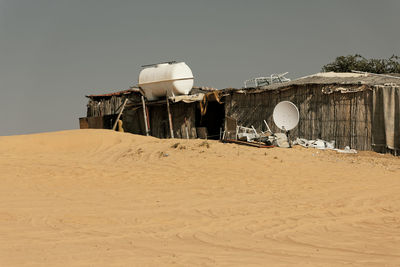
(166, 79)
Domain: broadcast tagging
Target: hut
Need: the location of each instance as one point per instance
(353, 109)
(358, 110)
(103, 109)
(197, 115)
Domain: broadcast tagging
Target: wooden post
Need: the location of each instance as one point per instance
(145, 116)
(148, 119)
(171, 127)
(119, 115)
(186, 128)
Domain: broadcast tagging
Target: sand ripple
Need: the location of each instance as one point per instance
(101, 198)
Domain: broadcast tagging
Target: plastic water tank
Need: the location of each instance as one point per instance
(166, 79)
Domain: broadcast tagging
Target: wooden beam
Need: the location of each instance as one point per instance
(186, 129)
(119, 115)
(145, 116)
(171, 127)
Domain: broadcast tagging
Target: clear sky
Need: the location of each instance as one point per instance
(54, 52)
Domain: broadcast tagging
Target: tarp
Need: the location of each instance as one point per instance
(188, 98)
(386, 117)
(210, 96)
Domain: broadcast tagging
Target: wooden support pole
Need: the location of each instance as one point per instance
(145, 116)
(186, 129)
(171, 127)
(119, 115)
(148, 118)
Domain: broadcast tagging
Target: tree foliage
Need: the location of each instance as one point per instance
(360, 63)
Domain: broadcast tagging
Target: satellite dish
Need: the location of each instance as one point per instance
(286, 115)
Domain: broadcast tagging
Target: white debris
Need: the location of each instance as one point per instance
(322, 144)
(319, 143)
(282, 140)
(347, 149)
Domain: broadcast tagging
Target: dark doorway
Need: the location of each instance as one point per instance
(213, 120)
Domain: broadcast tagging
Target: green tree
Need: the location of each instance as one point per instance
(360, 63)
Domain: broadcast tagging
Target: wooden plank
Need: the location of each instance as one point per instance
(253, 144)
(83, 123)
(230, 127)
(119, 115)
(145, 116)
(201, 132)
(171, 127)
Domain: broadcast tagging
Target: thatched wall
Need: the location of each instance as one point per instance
(102, 122)
(100, 106)
(133, 121)
(343, 117)
(183, 115)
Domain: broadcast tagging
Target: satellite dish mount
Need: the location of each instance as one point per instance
(286, 117)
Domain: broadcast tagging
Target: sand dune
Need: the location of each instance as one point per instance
(103, 198)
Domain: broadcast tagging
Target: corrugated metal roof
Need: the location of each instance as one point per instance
(338, 78)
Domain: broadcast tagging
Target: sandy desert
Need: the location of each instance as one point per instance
(103, 198)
